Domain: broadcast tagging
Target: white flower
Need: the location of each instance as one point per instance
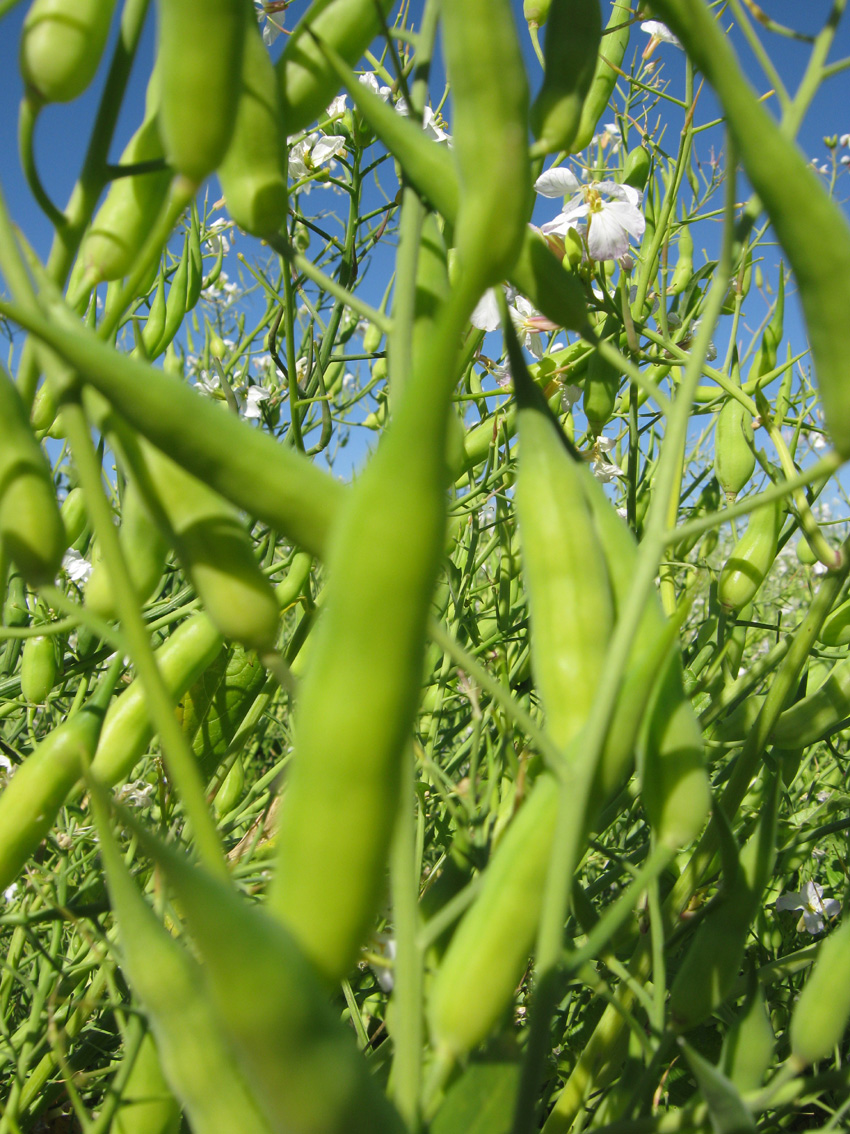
(569, 396)
(658, 33)
(610, 222)
(270, 15)
(845, 160)
(810, 901)
(529, 325)
(487, 515)
(610, 133)
(217, 236)
(602, 467)
(137, 794)
(385, 947)
(315, 150)
(10, 891)
(844, 140)
(251, 406)
(486, 314)
(75, 567)
(429, 122)
(336, 108)
(370, 80)
(207, 383)
(502, 377)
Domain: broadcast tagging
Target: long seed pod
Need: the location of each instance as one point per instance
(713, 961)
(199, 79)
(251, 173)
(573, 34)
(614, 43)
(61, 46)
(214, 547)
(147, 1105)
(38, 669)
(145, 551)
(822, 1011)
(734, 452)
(31, 527)
(194, 1051)
(307, 80)
(751, 558)
(296, 1055)
(810, 226)
(124, 220)
(817, 715)
(489, 127)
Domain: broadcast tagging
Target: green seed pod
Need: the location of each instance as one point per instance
(684, 270)
(485, 68)
(713, 960)
(33, 796)
(31, 527)
(614, 44)
(817, 715)
(570, 49)
(199, 81)
(214, 547)
(123, 222)
(295, 1053)
(147, 1105)
(308, 81)
(230, 792)
(154, 328)
(674, 781)
(38, 669)
(127, 728)
(15, 613)
(807, 557)
(765, 359)
(602, 383)
(751, 558)
(251, 173)
(637, 167)
(750, 1042)
(536, 11)
(372, 338)
(734, 448)
(74, 514)
(836, 628)
(144, 549)
(61, 46)
(823, 1008)
(195, 1051)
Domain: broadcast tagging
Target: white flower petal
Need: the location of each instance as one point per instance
(557, 182)
(486, 314)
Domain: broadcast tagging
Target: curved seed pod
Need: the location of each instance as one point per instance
(836, 628)
(734, 453)
(32, 797)
(230, 792)
(147, 1105)
(684, 270)
(807, 557)
(536, 11)
(61, 46)
(74, 515)
(127, 728)
(31, 527)
(214, 547)
(199, 81)
(175, 305)
(145, 551)
(674, 780)
(613, 48)
(195, 1053)
(15, 613)
(751, 558)
(251, 173)
(358, 700)
(570, 48)
(713, 961)
(485, 67)
(196, 259)
(38, 669)
(810, 226)
(749, 1044)
(308, 81)
(295, 1053)
(132, 204)
(765, 360)
(817, 715)
(154, 328)
(637, 167)
(602, 383)
(822, 1011)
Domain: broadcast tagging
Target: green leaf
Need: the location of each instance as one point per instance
(727, 1110)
